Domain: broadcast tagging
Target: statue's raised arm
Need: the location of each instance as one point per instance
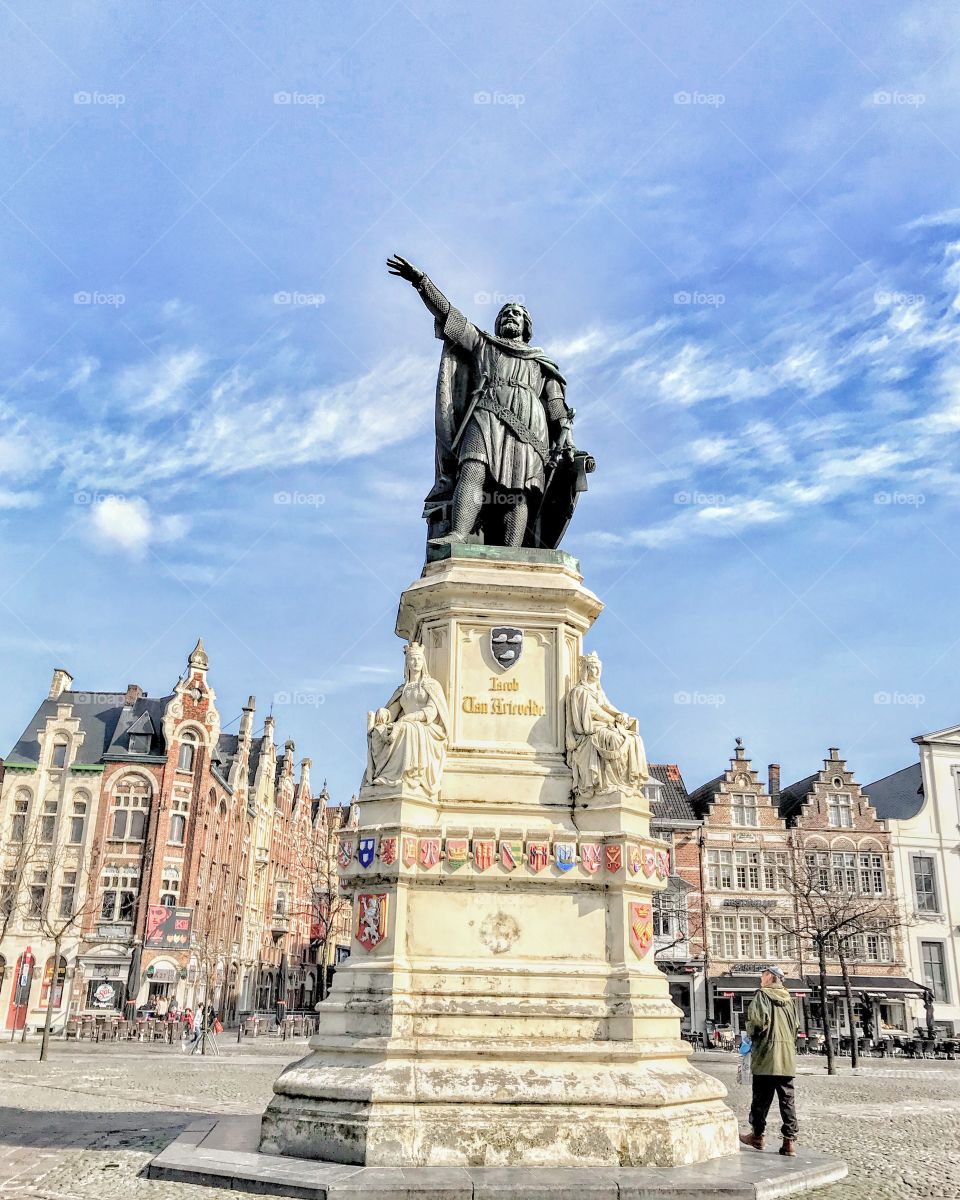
(508, 472)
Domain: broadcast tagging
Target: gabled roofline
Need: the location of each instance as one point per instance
(923, 739)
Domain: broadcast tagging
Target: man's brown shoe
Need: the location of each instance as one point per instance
(789, 1147)
(753, 1140)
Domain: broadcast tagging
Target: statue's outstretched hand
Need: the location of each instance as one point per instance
(406, 270)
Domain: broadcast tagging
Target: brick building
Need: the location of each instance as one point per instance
(177, 848)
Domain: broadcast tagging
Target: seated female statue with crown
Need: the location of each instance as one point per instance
(604, 747)
(407, 739)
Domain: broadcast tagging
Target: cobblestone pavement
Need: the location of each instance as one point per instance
(84, 1124)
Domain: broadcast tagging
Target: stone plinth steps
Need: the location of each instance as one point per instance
(224, 1153)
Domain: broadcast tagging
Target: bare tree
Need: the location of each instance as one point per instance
(20, 856)
(61, 914)
(317, 892)
(829, 913)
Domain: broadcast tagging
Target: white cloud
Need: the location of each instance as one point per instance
(162, 385)
(126, 524)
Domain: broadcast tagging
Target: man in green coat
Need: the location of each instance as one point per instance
(772, 1024)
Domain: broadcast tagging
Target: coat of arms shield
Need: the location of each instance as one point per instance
(506, 645)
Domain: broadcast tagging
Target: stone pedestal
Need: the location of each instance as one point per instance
(509, 1011)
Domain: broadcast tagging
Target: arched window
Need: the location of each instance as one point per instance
(170, 887)
(48, 823)
(131, 806)
(78, 817)
(59, 757)
(21, 810)
(188, 751)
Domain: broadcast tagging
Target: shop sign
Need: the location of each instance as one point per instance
(753, 968)
(164, 975)
(168, 928)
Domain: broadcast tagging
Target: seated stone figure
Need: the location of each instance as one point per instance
(407, 739)
(604, 747)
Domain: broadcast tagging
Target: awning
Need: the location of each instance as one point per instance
(877, 987)
(751, 983)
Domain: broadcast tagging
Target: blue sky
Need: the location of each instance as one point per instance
(736, 227)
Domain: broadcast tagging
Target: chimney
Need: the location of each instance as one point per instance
(305, 765)
(62, 682)
(738, 752)
(773, 781)
(268, 727)
(134, 692)
(246, 721)
(834, 753)
(288, 749)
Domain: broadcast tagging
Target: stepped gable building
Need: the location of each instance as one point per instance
(175, 847)
(741, 896)
(838, 831)
(921, 806)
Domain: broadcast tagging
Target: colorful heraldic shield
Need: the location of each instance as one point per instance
(511, 854)
(409, 851)
(429, 852)
(538, 855)
(613, 858)
(663, 864)
(371, 919)
(649, 861)
(641, 927)
(345, 853)
(367, 851)
(590, 857)
(565, 855)
(456, 852)
(484, 851)
(635, 860)
(388, 851)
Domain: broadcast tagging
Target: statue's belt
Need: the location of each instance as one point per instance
(490, 404)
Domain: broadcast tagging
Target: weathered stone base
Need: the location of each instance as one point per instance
(223, 1153)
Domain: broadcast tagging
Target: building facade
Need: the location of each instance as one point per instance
(165, 857)
(921, 805)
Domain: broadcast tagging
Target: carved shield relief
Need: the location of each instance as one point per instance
(506, 645)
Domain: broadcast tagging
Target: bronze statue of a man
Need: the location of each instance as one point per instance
(507, 468)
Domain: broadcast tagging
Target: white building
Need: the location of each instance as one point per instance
(922, 804)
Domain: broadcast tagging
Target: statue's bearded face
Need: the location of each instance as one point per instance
(513, 321)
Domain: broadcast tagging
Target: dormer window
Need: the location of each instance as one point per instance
(59, 758)
(139, 743)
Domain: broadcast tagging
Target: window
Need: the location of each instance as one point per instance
(668, 914)
(37, 894)
(59, 758)
(178, 829)
(747, 864)
(872, 881)
(749, 936)
(68, 894)
(840, 810)
(170, 887)
(7, 891)
(925, 884)
(121, 886)
(131, 804)
(743, 809)
(935, 970)
(844, 872)
(878, 948)
(21, 810)
(78, 818)
(720, 869)
(774, 871)
(48, 823)
(188, 749)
